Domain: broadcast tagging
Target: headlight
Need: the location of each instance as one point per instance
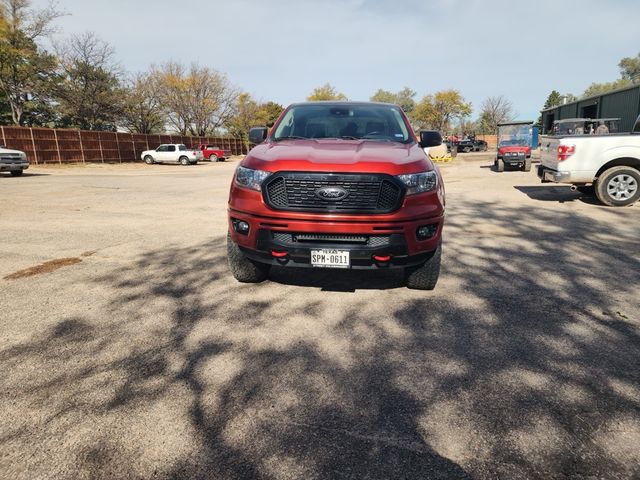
(419, 182)
(250, 178)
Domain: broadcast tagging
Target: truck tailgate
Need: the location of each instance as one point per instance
(549, 151)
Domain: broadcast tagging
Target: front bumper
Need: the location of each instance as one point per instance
(267, 234)
(7, 167)
(361, 256)
(513, 160)
(548, 175)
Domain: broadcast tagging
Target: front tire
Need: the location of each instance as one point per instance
(213, 157)
(618, 186)
(425, 276)
(500, 165)
(527, 165)
(242, 268)
(148, 159)
(184, 161)
(16, 173)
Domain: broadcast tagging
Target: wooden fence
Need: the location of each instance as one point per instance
(48, 145)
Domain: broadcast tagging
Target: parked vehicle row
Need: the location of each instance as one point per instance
(467, 145)
(179, 153)
(172, 153)
(349, 185)
(15, 161)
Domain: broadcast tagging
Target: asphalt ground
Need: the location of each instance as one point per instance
(127, 350)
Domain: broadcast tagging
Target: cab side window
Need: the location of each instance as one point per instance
(171, 148)
(161, 148)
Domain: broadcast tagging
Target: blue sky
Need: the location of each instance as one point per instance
(280, 50)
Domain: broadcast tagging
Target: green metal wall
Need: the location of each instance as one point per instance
(624, 105)
(585, 104)
(568, 111)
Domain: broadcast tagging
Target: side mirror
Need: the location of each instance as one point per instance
(430, 138)
(257, 135)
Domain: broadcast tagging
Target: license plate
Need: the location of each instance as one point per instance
(330, 258)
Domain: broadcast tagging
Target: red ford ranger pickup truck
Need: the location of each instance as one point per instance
(213, 153)
(338, 185)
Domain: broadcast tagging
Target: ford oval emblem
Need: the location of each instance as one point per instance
(331, 193)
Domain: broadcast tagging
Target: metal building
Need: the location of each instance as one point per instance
(623, 104)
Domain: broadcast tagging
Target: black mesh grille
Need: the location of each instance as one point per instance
(365, 193)
(278, 192)
(329, 238)
(388, 195)
(376, 241)
(282, 237)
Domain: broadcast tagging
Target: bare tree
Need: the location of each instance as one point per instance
(197, 100)
(142, 112)
(34, 23)
(212, 99)
(170, 84)
(495, 110)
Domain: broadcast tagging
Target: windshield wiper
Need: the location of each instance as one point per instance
(291, 137)
(378, 139)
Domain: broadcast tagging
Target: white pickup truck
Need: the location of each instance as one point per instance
(609, 163)
(13, 161)
(172, 153)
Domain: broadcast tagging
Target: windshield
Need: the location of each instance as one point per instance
(346, 122)
(514, 135)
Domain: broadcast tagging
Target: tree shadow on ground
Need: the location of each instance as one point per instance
(524, 363)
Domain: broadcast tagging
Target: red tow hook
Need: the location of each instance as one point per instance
(277, 254)
(382, 258)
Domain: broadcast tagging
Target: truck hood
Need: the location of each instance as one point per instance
(338, 155)
(8, 150)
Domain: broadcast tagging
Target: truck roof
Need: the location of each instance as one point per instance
(343, 103)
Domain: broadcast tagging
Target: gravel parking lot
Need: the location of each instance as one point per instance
(129, 351)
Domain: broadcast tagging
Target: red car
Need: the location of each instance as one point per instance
(213, 153)
(337, 185)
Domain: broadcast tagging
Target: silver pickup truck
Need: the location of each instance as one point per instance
(13, 161)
